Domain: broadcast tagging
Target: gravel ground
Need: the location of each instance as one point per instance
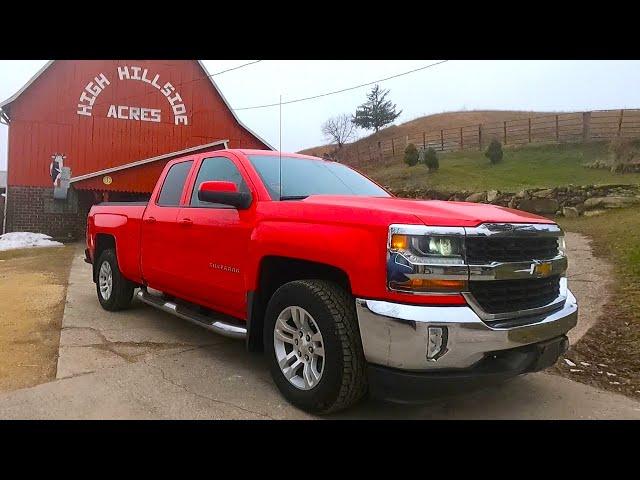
(33, 286)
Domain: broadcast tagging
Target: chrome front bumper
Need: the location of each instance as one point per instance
(396, 335)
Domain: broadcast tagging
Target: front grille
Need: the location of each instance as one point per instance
(502, 296)
(483, 250)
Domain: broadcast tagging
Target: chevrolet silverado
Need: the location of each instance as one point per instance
(347, 289)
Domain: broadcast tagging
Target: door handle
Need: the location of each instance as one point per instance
(150, 220)
(185, 221)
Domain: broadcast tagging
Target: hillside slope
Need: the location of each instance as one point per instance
(434, 122)
(531, 166)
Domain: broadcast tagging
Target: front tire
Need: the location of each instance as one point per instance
(114, 291)
(313, 346)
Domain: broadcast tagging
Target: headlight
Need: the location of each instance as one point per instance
(426, 259)
(429, 248)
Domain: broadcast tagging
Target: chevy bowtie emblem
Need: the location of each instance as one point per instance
(543, 269)
(539, 269)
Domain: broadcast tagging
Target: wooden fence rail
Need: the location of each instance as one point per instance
(551, 128)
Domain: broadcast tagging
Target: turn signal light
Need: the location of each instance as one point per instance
(431, 285)
(399, 242)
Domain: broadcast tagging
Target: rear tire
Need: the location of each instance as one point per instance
(114, 291)
(330, 316)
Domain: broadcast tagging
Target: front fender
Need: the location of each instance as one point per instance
(358, 251)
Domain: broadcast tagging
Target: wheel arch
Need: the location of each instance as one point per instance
(103, 241)
(273, 272)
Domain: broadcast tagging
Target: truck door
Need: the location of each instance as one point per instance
(214, 238)
(160, 266)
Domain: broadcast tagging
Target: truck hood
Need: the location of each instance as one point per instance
(429, 212)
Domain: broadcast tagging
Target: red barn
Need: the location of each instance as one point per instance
(87, 131)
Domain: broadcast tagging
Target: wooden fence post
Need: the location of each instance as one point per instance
(393, 147)
(461, 140)
(620, 123)
(557, 129)
(529, 129)
(406, 141)
(442, 140)
(480, 136)
(505, 132)
(424, 140)
(586, 126)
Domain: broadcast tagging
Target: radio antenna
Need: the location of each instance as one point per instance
(280, 146)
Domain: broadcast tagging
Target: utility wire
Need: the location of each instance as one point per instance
(234, 68)
(344, 89)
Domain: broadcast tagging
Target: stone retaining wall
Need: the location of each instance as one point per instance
(570, 201)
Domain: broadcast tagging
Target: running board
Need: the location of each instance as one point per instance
(210, 323)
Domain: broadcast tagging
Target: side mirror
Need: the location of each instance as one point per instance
(225, 193)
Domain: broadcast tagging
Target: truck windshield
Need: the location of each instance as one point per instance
(302, 177)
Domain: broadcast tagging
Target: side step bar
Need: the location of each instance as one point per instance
(218, 325)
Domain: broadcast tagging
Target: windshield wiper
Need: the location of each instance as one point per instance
(293, 197)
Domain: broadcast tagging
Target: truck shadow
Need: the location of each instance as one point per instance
(222, 368)
(230, 360)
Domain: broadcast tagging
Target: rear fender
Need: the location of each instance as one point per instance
(126, 235)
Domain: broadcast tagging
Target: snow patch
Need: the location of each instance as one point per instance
(14, 240)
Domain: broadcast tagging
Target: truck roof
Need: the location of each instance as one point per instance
(249, 151)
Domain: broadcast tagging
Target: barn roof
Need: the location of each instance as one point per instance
(11, 99)
(139, 163)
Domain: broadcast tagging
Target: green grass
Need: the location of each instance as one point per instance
(615, 339)
(522, 167)
(616, 236)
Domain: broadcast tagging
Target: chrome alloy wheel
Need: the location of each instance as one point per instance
(299, 347)
(105, 280)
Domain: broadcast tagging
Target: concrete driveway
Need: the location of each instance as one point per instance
(146, 364)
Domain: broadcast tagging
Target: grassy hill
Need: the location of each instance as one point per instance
(522, 167)
(615, 340)
(434, 122)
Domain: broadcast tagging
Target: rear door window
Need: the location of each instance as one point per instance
(174, 184)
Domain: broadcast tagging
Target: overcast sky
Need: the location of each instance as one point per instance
(455, 85)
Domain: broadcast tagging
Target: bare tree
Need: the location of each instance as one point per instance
(339, 130)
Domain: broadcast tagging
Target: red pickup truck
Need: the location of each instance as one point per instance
(346, 288)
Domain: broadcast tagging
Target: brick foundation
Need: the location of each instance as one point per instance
(33, 209)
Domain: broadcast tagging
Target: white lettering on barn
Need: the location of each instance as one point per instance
(123, 112)
(90, 93)
(134, 113)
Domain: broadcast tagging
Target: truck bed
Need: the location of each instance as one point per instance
(125, 204)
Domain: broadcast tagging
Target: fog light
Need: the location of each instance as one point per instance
(436, 343)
